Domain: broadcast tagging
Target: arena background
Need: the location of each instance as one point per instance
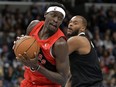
(15, 15)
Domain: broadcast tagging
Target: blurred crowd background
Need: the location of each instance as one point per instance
(101, 30)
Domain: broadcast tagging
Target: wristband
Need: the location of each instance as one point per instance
(35, 69)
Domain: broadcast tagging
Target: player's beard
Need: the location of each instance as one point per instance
(74, 33)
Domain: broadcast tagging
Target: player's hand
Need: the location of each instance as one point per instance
(18, 38)
(27, 61)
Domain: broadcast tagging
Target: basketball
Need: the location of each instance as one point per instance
(26, 44)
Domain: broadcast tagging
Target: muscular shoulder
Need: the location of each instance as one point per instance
(76, 40)
(31, 25)
(60, 41)
(60, 46)
(76, 43)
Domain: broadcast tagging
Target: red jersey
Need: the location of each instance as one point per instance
(45, 58)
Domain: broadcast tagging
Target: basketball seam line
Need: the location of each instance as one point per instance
(21, 42)
(30, 45)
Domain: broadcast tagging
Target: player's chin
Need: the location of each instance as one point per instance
(68, 33)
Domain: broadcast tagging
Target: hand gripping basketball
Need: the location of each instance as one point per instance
(26, 44)
(32, 63)
(26, 50)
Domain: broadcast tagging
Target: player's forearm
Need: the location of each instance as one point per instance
(53, 76)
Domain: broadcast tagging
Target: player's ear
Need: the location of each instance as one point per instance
(83, 29)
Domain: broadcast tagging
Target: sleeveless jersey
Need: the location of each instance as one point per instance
(85, 68)
(45, 57)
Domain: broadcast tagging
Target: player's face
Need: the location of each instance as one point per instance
(74, 26)
(53, 20)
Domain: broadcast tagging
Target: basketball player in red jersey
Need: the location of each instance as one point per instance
(51, 67)
(84, 63)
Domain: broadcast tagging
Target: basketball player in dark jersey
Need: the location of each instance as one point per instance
(84, 63)
(51, 67)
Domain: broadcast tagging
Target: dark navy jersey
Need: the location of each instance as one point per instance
(85, 69)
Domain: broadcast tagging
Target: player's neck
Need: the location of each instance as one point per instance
(44, 33)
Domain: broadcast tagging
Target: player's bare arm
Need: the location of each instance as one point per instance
(79, 44)
(60, 50)
(31, 26)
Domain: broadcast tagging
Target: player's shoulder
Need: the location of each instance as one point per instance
(31, 26)
(77, 40)
(34, 21)
(73, 38)
(61, 41)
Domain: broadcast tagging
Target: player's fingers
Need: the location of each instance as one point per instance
(18, 38)
(36, 56)
(22, 35)
(26, 56)
(14, 45)
(14, 42)
(22, 61)
(33, 59)
(19, 59)
(22, 57)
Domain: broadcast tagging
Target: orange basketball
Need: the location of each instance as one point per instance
(27, 44)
